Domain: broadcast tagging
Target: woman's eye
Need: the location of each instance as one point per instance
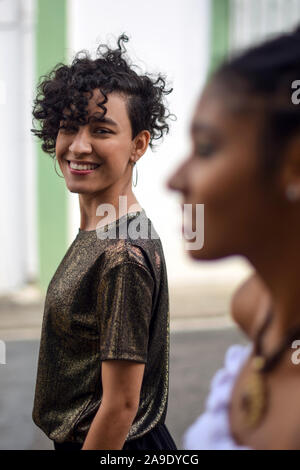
(204, 150)
(100, 130)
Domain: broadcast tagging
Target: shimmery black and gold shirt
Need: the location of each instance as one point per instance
(108, 299)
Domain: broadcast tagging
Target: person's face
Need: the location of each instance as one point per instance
(107, 143)
(222, 172)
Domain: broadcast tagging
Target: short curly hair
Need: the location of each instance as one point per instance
(63, 94)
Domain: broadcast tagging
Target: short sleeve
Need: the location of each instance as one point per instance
(124, 312)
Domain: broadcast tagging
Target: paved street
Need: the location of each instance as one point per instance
(195, 356)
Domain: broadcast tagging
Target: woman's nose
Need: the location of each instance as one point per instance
(176, 180)
(81, 142)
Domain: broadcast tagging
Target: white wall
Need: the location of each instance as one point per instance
(255, 20)
(171, 37)
(17, 191)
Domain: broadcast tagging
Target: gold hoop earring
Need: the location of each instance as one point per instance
(55, 160)
(292, 192)
(136, 174)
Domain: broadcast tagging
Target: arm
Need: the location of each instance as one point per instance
(124, 311)
(121, 383)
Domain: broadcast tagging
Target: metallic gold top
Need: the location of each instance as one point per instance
(108, 299)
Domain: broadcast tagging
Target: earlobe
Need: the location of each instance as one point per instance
(293, 192)
(291, 170)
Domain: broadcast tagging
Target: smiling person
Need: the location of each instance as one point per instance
(102, 379)
(244, 167)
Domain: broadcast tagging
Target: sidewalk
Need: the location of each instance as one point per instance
(191, 308)
(21, 314)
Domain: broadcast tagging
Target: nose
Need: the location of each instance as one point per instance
(176, 181)
(81, 142)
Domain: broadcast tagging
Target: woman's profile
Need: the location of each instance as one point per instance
(102, 378)
(244, 167)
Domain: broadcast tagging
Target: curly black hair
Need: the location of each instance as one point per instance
(63, 94)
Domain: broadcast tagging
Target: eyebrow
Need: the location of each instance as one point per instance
(103, 120)
(198, 127)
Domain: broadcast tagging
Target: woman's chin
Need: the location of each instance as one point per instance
(195, 254)
(203, 254)
(78, 188)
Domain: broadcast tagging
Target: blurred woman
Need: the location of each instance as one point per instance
(244, 167)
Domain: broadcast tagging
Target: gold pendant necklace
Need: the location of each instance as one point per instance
(255, 395)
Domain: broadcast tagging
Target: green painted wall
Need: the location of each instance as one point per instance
(52, 193)
(219, 36)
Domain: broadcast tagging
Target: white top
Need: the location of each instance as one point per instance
(211, 430)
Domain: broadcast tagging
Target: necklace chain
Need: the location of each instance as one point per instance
(272, 360)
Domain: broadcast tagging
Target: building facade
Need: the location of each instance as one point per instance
(183, 40)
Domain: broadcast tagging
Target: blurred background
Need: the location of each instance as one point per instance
(185, 41)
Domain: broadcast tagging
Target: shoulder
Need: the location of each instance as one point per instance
(249, 305)
(121, 252)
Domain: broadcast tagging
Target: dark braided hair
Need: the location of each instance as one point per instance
(267, 71)
(64, 93)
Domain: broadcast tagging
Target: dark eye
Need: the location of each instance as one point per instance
(205, 149)
(101, 130)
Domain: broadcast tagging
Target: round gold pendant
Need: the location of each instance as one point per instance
(254, 396)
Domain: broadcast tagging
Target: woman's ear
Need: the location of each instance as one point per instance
(140, 144)
(290, 174)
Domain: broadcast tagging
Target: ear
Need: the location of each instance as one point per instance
(140, 144)
(290, 174)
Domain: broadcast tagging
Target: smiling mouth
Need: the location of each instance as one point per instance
(83, 164)
(82, 169)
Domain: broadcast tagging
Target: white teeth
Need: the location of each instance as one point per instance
(75, 166)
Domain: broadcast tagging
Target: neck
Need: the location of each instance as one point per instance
(89, 206)
(278, 264)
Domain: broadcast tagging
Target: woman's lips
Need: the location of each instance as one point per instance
(81, 172)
